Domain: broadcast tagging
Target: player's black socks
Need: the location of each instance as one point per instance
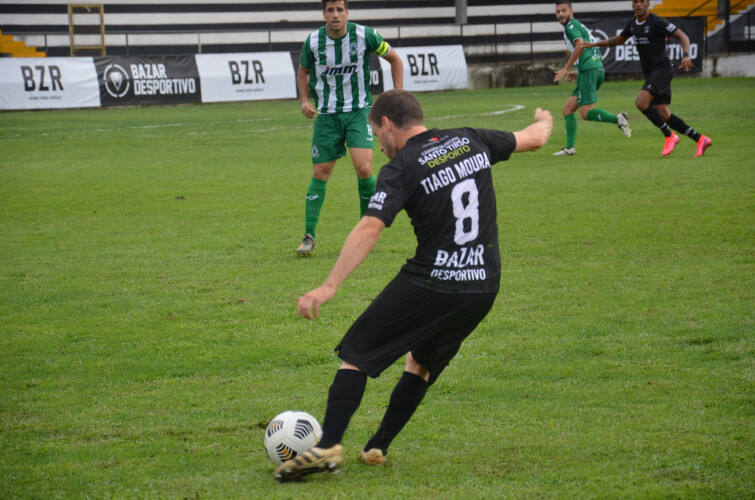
(344, 398)
(678, 124)
(406, 397)
(655, 117)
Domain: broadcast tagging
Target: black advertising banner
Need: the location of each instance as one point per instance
(377, 85)
(148, 80)
(624, 58)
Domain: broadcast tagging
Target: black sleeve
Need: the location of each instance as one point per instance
(664, 27)
(391, 191)
(500, 143)
(627, 31)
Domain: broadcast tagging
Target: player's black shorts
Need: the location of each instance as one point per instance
(405, 317)
(658, 83)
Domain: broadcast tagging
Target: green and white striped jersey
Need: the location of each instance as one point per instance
(339, 69)
(589, 58)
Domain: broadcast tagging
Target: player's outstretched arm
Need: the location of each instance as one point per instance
(302, 82)
(579, 46)
(358, 245)
(611, 42)
(536, 135)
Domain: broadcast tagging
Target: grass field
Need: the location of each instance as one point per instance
(148, 287)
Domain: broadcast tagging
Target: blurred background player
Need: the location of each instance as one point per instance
(650, 33)
(440, 295)
(335, 67)
(590, 75)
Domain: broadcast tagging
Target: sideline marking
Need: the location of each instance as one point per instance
(514, 107)
(84, 132)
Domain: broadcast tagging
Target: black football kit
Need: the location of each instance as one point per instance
(442, 178)
(650, 39)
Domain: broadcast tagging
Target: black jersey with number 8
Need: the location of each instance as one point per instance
(442, 178)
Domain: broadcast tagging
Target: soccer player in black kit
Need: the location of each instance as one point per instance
(442, 178)
(650, 32)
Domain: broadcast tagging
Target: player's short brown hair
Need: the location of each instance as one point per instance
(326, 2)
(400, 107)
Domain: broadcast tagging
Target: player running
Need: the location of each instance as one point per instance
(335, 67)
(650, 32)
(441, 294)
(590, 75)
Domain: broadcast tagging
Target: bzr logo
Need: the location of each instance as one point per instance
(421, 68)
(30, 84)
(249, 68)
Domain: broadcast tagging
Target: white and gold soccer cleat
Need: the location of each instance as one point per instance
(373, 456)
(311, 461)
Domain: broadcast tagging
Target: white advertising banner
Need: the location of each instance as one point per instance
(246, 76)
(443, 67)
(48, 82)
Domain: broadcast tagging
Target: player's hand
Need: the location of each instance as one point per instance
(544, 123)
(312, 301)
(686, 64)
(570, 77)
(560, 74)
(543, 115)
(308, 110)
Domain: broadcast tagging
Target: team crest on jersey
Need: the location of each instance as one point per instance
(315, 152)
(353, 49)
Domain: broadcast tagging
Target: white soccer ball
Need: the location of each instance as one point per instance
(291, 433)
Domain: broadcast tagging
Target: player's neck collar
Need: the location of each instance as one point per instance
(346, 32)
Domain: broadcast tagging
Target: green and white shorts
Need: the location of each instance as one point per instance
(333, 132)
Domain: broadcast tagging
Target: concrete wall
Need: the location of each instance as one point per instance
(731, 65)
(487, 76)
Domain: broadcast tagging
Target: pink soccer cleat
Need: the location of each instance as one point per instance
(703, 144)
(671, 143)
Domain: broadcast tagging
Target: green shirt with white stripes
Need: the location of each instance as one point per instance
(339, 69)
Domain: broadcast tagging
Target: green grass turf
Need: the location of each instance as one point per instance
(148, 287)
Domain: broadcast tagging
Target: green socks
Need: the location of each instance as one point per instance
(313, 205)
(316, 197)
(594, 115)
(571, 130)
(366, 190)
(601, 115)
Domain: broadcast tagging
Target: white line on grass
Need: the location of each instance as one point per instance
(80, 132)
(514, 107)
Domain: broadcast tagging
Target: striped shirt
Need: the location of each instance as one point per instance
(339, 69)
(589, 58)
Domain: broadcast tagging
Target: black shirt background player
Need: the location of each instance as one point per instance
(650, 33)
(650, 37)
